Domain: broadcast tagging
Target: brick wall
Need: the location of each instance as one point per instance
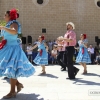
(54, 15)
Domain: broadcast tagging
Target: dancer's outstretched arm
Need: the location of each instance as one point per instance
(32, 48)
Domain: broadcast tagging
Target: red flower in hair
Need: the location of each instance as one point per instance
(84, 36)
(42, 37)
(13, 14)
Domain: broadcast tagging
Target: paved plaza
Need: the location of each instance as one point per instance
(55, 86)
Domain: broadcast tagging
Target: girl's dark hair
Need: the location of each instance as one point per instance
(8, 12)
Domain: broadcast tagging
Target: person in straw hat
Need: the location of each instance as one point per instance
(69, 43)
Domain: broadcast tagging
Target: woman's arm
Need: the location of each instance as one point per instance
(33, 47)
(12, 30)
(85, 45)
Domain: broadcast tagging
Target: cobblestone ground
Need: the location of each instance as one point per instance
(55, 86)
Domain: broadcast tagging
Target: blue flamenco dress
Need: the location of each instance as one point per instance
(41, 59)
(13, 61)
(83, 57)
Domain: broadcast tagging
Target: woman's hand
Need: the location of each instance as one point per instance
(65, 39)
(82, 42)
(75, 47)
(1, 27)
(85, 45)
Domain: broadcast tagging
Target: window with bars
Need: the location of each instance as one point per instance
(98, 3)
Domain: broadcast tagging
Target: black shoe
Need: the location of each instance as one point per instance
(76, 71)
(6, 78)
(63, 70)
(70, 78)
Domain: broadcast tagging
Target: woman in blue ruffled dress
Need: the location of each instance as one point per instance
(83, 57)
(13, 61)
(42, 56)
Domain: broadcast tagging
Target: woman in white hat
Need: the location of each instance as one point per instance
(61, 49)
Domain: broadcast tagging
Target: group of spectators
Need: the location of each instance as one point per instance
(94, 52)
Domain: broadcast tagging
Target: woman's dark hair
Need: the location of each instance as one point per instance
(8, 12)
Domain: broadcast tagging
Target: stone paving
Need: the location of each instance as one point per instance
(55, 86)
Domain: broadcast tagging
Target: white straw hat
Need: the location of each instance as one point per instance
(60, 38)
(72, 24)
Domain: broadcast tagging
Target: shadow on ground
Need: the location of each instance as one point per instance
(80, 81)
(22, 96)
(91, 74)
(48, 75)
(7, 79)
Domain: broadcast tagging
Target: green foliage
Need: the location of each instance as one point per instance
(20, 35)
(0, 38)
(2, 23)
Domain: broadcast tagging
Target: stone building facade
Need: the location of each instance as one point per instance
(52, 15)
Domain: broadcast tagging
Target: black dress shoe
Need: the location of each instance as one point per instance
(76, 71)
(6, 78)
(63, 70)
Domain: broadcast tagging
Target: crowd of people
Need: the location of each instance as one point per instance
(14, 63)
(94, 52)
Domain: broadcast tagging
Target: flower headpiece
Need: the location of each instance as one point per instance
(85, 36)
(42, 37)
(13, 14)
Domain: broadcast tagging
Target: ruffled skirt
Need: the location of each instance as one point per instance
(83, 58)
(14, 63)
(41, 60)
